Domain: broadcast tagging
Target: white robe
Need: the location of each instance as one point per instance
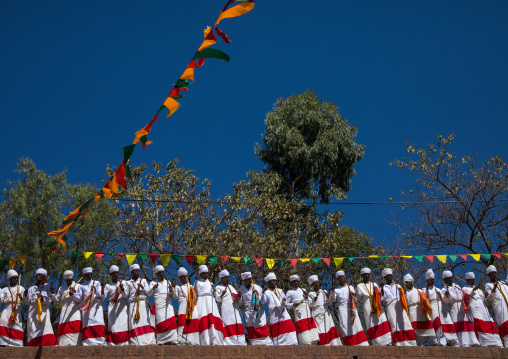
(441, 319)
(40, 334)
(282, 329)
(187, 330)
(118, 316)
(352, 330)
(11, 334)
(422, 325)
(69, 327)
(400, 325)
(142, 331)
(93, 328)
(164, 313)
(500, 307)
(234, 332)
(463, 326)
(305, 326)
(378, 328)
(257, 330)
(486, 329)
(211, 328)
(328, 333)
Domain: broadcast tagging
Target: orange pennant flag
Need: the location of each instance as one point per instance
(210, 39)
(235, 11)
(171, 105)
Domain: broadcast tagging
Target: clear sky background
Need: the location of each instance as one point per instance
(78, 78)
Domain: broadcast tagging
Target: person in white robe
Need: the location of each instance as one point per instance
(319, 300)
(118, 309)
(486, 329)
(419, 311)
(69, 326)
(89, 296)
(252, 300)
(141, 329)
(297, 299)
(164, 313)
(393, 297)
(11, 296)
(453, 297)
(39, 328)
(350, 324)
(234, 332)
(369, 294)
(498, 289)
(187, 320)
(441, 317)
(282, 329)
(211, 328)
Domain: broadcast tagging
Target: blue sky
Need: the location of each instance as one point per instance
(77, 79)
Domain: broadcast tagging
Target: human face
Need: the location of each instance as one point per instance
(13, 280)
(135, 273)
(365, 277)
(183, 279)
(388, 279)
(295, 283)
(271, 284)
(39, 277)
(87, 276)
(247, 282)
(448, 281)
(430, 282)
(204, 275)
(409, 285)
(225, 280)
(68, 281)
(493, 276)
(316, 285)
(160, 276)
(114, 276)
(470, 281)
(342, 280)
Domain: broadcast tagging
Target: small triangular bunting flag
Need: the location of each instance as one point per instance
(463, 256)
(177, 258)
(497, 255)
(327, 261)
(236, 259)
(259, 261)
(74, 254)
(316, 260)
(281, 262)
(212, 259)
(130, 257)
(351, 259)
(293, 261)
(442, 258)
(201, 259)
(247, 261)
(430, 258)
(120, 255)
(373, 256)
(142, 257)
(224, 259)
(304, 260)
(487, 255)
(338, 262)
(87, 254)
(153, 258)
(453, 257)
(419, 258)
(99, 255)
(189, 259)
(165, 259)
(476, 257)
(270, 262)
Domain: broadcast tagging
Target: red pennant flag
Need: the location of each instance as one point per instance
(193, 64)
(259, 261)
(497, 255)
(189, 259)
(121, 172)
(327, 261)
(223, 35)
(224, 258)
(99, 255)
(463, 256)
(430, 258)
(153, 257)
(120, 255)
(293, 261)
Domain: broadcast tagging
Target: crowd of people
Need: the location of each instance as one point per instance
(394, 314)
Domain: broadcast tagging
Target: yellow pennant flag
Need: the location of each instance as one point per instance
(171, 105)
(373, 256)
(12, 262)
(22, 260)
(442, 258)
(476, 256)
(235, 11)
(338, 262)
(304, 260)
(165, 259)
(201, 259)
(236, 259)
(87, 254)
(130, 257)
(270, 262)
(406, 256)
(209, 40)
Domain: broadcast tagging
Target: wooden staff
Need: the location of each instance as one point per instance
(67, 294)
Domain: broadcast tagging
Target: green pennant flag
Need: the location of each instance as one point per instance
(212, 259)
(211, 54)
(281, 262)
(74, 255)
(351, 258)
(487, 256)
(420, 258)
(178, 258)
(128, 172)
(142, 257)
(315, 260)
(127, 152)
(111, 254)
(453, 257)
(247, 261)
(183, 83)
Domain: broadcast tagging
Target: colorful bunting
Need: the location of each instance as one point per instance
(13, 261)
(247, 261)
(212, 259)
(142, 133)
(463, 256)
(281, 262)
(338, 262)
(189, 259)
(177, 258)
(476, 257)
(487, 256)
(419, 258)
(453, 257)
(165, 259)
(142, 257)
(430, 258)
(316, 260)
(304, 260)
(236, 259)
(293, 261)
(270, 262)
(210, 39)
(497, 255)
(87, 254)
(259, 261)
(201, 259)
(224, 259)
(120, 255)
(210, 54)
(327, 261)
(235, 11)
(442, 258)
(130, 257)
(153, 258)
(99, 255)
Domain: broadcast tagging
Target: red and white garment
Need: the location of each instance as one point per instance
(422, 325)
(378, 328)
(486, 329)
(118, 315)
(187, 330)
(350, 325)
(306, 328)
(400, 325)
(257, 330)
(211, 328)
(282, 329)
(463, 326)
(142, 331)
(328, 333)
(500, 307)
(11, 334)
(234, 332)
(69, 327)
(93, 329)
(441, 319)
(164, 313)
(40, 333)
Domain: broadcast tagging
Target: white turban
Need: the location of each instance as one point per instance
(339, 273)
(447, 274)
(223, 274)
(429, 274)
(159, 268)
(365, 271)
(387, 271)
(469, 275)
(203, 269)
(408, 278)
(246, 275)
(312, 279)
(87, 270)
(114, 268)
(41, 271)
(491, 269)
(133, 267)
(270, 276)
(294, 277)
(182, 271)
(68, 274)
(11, 273)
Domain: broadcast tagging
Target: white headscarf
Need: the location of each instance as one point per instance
(447, 274)
(270, 276)
(365, 271)
(223, 274)
(203, 269)
(41, 271)
(470, 275)
(133, 267)
(387, 271)
(339, 273)
(159, 268)
(491, 269)
(11, 273)
(68, 274)
(294, 277)
(114, 268)
(408, 278)
(312, 279)
(429, 274)
(182, 271)
(246, 275)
